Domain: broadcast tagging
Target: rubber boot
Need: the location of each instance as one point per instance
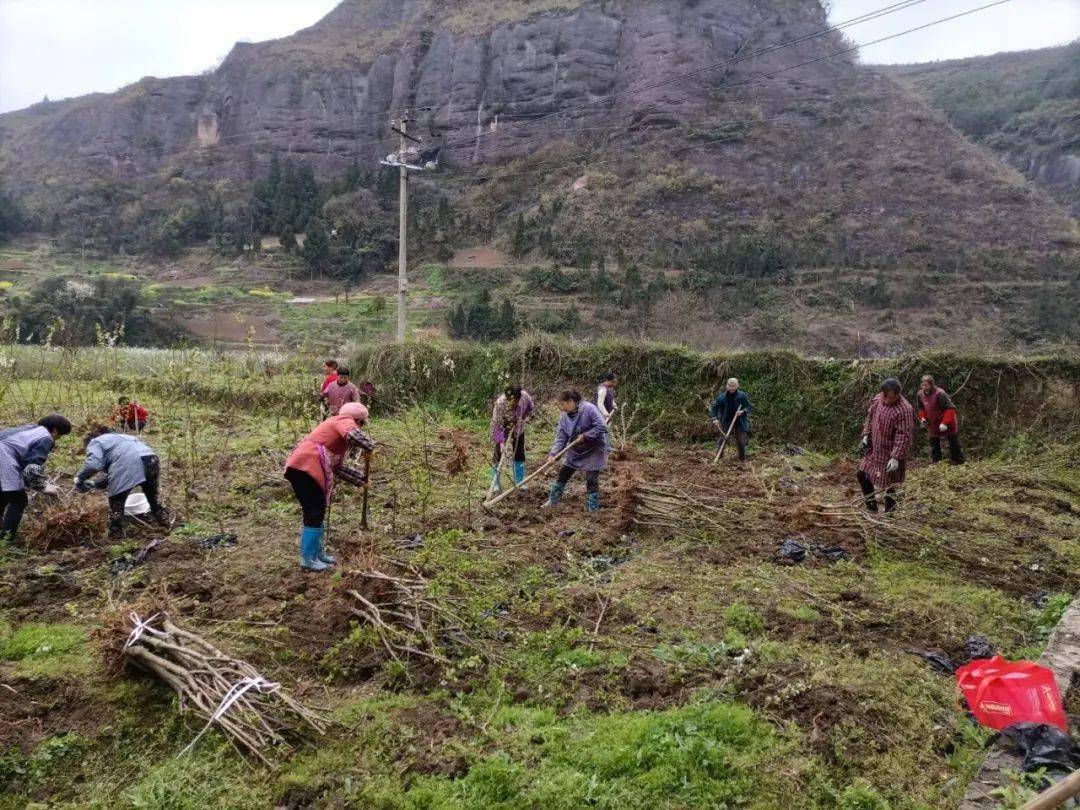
(323, 555)
(161, 516)
(310, 543)
(519, 474)
(116, 527)
(496, 484)
(592, 501)
(554, 495)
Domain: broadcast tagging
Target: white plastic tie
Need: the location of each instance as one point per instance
(141, 627)
(236, 691)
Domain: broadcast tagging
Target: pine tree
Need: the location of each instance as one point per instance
(632, 286)
(481, 317)
(458, 322)
(521, 244)
(505, 327)
(288, 239)
(316, 250)
(274, 179)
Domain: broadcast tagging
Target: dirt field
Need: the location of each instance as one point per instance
(668, 629)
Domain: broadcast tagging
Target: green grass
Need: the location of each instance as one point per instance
(46, 651)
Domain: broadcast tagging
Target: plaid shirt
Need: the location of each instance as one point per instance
(357, 440)
(890, 429)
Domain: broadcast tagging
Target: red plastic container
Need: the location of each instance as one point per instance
(1000, 693)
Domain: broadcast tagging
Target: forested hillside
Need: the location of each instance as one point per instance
(1024, 105)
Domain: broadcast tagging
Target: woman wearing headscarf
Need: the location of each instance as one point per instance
(512, 411)
(314, 466)
(23, 451)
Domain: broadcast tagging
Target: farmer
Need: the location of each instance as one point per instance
(886, 438)
(23, 451)
(732, 406)
(583, 423)
(128, 415)
(340, 392)
(119, 463)
(605, 401)
(938, 415)
(331, 369)
(512, 410)
(312, 468)
(367, 392)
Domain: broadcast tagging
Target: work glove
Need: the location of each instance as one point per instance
(716, 424)
(892, 466)
(943, 428)
(922, 423)
(81, 485)
(51, 489)
(865, 441)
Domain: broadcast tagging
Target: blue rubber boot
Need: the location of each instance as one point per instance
(554, 495)
(592, 501)
(323, 556)
(310, 543)
(496, 484)
(519, 474)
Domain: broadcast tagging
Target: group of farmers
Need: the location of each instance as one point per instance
(116, 462)
(119, 462)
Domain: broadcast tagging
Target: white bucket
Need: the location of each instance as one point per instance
(136, 504)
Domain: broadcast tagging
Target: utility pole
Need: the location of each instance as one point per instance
(403, 187)
(425, 160)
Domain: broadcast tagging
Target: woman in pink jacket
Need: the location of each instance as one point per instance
(314, 465)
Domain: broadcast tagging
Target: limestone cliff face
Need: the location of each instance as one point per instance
(473, 78)
(799, 141)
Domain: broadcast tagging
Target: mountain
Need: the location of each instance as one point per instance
(697, 170)
(1024, 105)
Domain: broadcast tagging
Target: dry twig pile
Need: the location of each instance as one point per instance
(255, 715)
(66, 522)
(408, 620)
(659, 505)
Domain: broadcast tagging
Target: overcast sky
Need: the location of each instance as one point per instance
(63, 48)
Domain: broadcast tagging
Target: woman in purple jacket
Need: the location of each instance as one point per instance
(582, 426)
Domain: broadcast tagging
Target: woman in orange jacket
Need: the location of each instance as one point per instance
(313, 467)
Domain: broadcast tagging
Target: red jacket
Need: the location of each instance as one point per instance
(330, 378)
(937, 409)
(130, 415)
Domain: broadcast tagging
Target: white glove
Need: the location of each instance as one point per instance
(51, 489)
(922, 423)
(716, 423)
(865, 441)
(943, 428)
(892, 466)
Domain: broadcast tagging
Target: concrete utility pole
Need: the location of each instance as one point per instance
(403, 185)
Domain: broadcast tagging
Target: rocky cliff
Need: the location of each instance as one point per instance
(797, 140)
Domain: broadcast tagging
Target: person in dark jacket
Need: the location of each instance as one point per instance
(579, 420)
(937, 415)
(23, 451)
(117, 463)
(732, 405)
